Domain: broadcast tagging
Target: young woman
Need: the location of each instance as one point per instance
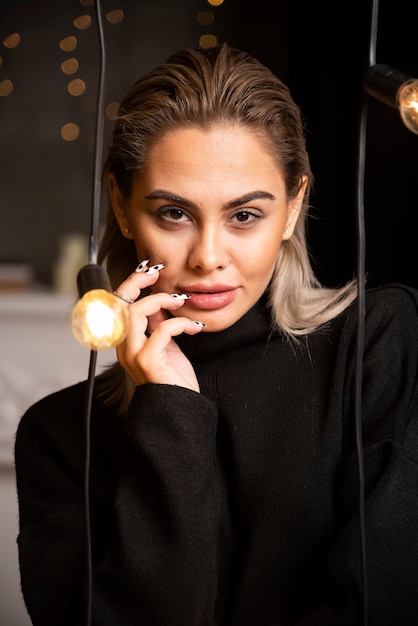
(224, 476)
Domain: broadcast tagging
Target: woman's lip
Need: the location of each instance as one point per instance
(209, 298)
(202, 288)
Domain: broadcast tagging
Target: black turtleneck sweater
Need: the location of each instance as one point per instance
(237, 506)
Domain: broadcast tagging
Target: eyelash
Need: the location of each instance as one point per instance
(166, 214)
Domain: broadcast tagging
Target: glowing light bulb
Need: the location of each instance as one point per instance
(396, 89)
(100, 320)
(408, 105)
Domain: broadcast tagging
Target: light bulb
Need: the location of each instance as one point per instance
(100, 320)
(408, 105)
(396, 89)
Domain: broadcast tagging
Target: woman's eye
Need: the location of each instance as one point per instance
(172, 213)
(245, 216)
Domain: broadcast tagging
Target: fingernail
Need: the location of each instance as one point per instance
(180, 296)
(199, 323)
(141, 266)
(154, 268)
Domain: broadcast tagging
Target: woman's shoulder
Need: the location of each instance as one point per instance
(396, 296)
(66, 397)
(389, 309)
(396, 303)
(56, 411)
(391, 299)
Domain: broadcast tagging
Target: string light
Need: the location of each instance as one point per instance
(396, 89)
(99, 320)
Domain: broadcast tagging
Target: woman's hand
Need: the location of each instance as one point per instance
(155, 358)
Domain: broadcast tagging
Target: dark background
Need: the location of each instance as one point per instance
(320, 51)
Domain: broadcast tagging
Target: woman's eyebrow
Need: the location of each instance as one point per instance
(160, 194)
(249, 197)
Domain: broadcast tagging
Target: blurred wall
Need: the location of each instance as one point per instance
(12, 609)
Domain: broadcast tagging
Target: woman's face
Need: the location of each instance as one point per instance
(212, 206)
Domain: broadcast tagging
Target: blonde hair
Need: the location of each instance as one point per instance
(199, 88)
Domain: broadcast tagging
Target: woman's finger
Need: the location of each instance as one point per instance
(142, 277)
(160, 360)
(152, 306)
(156, 301)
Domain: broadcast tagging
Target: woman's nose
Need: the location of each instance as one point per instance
(208, 251)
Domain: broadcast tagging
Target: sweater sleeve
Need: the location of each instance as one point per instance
(167, 512)
(154, 548)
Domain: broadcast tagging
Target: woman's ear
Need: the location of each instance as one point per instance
(294, 208)
(117, 203)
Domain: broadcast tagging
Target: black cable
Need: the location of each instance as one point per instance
(93, 254)
(89, 400)
(361, 255)
(361, 246)
(373, 32)
(98, 149)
